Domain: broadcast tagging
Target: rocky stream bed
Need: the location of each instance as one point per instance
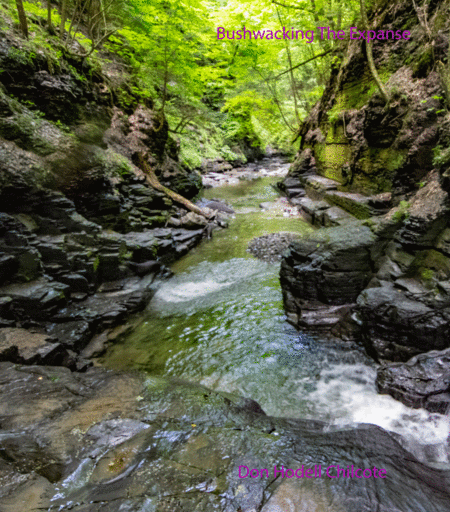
(86, 438)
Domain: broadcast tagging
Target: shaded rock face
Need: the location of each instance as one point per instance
(392, 292)
(397, 327)
(364, 144)
(60, 95)
(107, 441)
(146, 133)
(74, 285)
(424, 381)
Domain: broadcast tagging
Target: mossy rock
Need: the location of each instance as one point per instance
(336, 134)
(25, 130)
(90, 133)
(352, 205)
(429, 264)
(29, 265)
(157, 220)
(377, 169)
(331, 158)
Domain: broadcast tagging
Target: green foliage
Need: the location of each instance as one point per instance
(441, 156)
(429, 265)
(205, 140)
(172, 58)
(402, 213)
(21, 56)
(427, 274)
(239, 124)
(424, 63)
(96, 263)
(334, 113)
(59, 124)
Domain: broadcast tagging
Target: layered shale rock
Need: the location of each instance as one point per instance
(78, 221)
(321, 276)
(386, 164)
(424, 381)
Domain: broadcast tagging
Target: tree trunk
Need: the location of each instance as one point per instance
(63, 18)
(22, 18)
(153, 181)
(291, 73)
(49, 15)
(369, 53)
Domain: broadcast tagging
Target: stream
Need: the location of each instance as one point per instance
(220, 322)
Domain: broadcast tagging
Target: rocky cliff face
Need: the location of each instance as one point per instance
(68, 149)
(383, 279)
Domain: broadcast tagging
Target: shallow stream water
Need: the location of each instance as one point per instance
(220, 322)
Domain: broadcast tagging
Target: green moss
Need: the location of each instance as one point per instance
(356, 94)
(205, 143)
(427, 274)
(112, 163)
(29, 266)
(441, 156)
(96, 263)
(336, 134)
(21, 56)
(157, 220)
(357, 209)
(402, 213)
(429, 265)
(378, 167)
(424, 63)
(23, 129)
(331, 158)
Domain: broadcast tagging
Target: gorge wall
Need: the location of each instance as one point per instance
(79, 224)
(378, 173)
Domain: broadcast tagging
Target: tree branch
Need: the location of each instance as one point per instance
(155, 183)
(289, 6)
(99, 42)
(303, 63)
(369, 54)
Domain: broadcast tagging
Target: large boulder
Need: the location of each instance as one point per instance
(329, 268)
(396, 327)
(423, 381)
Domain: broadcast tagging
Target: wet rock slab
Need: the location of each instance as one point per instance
(104, 441)
(398, 326)
(36, 300)
(110, 305)
(25, 347)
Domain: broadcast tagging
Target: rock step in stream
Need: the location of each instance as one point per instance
(323, 205)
